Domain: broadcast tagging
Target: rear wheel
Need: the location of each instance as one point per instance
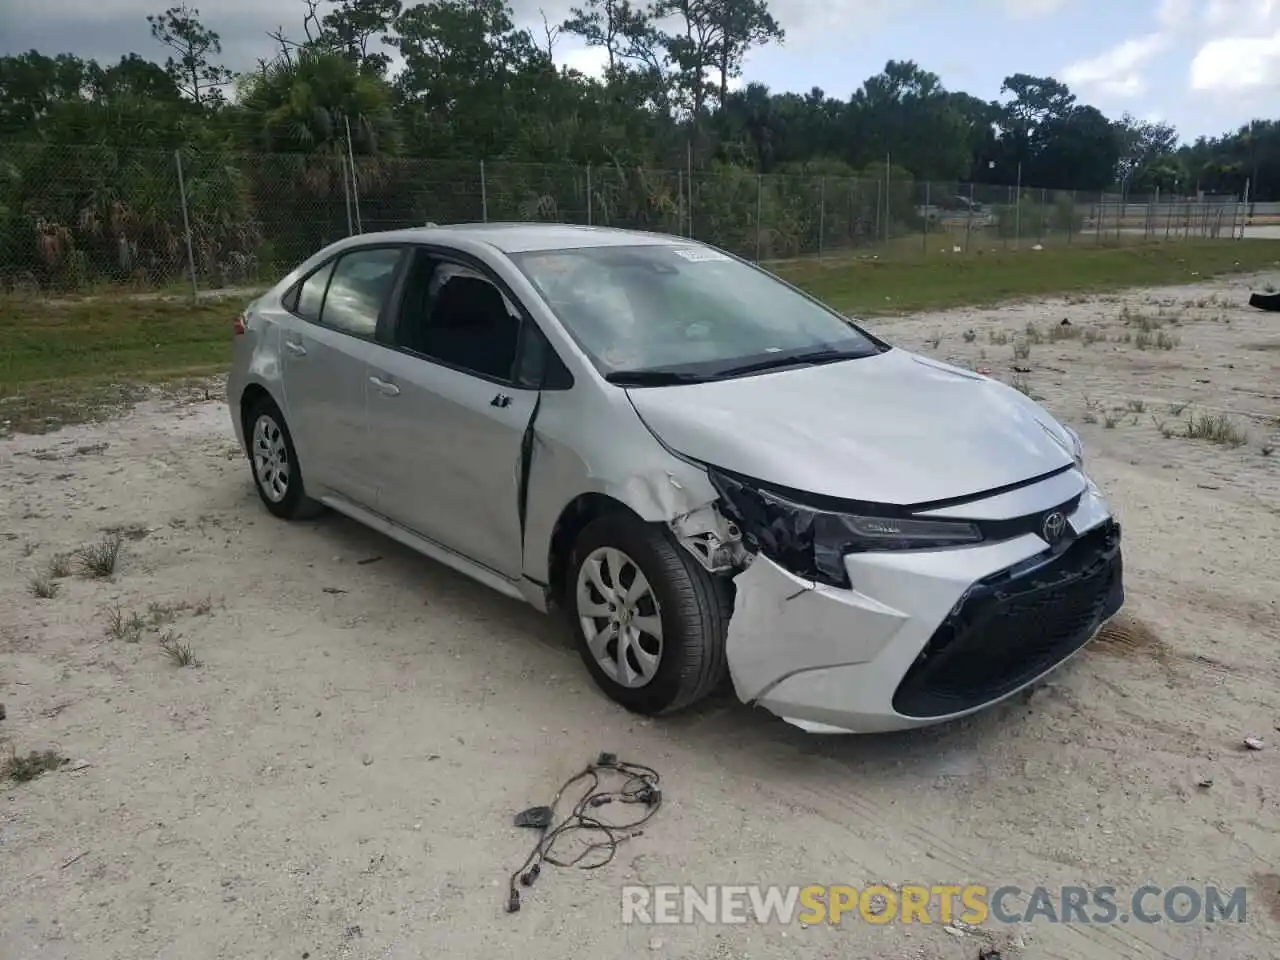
(276, 472)
(650, 622)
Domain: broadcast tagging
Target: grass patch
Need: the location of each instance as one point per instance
(1216, 428)
(179, 652)
(99, 560)
(44, 587)
(25, 769)
(916, 282)
(125, 626)
(70, 361)
(59, 566)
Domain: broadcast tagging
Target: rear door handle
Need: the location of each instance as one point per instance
(296, 348)
(385, 388)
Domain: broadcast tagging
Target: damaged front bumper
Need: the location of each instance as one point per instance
(922, 636)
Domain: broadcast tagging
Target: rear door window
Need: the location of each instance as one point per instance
(311, 293)
(358, 291)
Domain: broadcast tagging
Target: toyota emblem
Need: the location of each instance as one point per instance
(1053, 526)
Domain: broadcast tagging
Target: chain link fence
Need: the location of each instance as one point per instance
(76, 218)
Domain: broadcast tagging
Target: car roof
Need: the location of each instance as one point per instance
(527, 237)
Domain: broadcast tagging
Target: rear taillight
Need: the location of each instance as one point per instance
(240, 325)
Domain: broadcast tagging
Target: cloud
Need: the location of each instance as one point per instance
(1233, 65)
(1240, 15)
(589, 61)
(1116, 72)
(1026, 9)
(1174, 14)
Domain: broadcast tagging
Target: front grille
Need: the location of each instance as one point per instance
(1015, 625)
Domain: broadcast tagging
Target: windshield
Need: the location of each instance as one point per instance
(688, 311)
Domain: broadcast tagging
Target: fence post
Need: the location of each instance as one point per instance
(1017, 208)
(186, 224)
(679, 203)
(851, 228)
(759, 200)
(1102, 215)
(877, 234)
(927, 213)
(1168, 214)
(346, 192)
(822, 214)
(688, 147)
(888, 175)
(1153, 211)
(484, 195)
(968, 220)
(588, 194)
(355, 181)
(1244, 214)
(1071, 219)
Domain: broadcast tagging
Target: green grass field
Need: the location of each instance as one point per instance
(66, 360)
(866, 287)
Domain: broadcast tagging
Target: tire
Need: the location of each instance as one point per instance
(693, 610)
(288, 500)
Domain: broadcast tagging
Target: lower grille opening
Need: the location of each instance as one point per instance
(1013, 627)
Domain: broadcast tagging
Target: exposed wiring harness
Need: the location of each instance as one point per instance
(639, 786)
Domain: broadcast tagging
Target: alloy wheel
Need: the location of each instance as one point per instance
(619, 617)
(270, 458)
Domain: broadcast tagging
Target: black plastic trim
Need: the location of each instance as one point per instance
(1016, 625)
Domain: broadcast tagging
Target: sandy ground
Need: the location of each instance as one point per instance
(336, 778)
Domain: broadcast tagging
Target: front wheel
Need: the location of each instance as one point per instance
(650, 622)
(276, 472)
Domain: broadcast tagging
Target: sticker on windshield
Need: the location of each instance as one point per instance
(700, 255)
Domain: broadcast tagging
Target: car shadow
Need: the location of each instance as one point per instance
(719, 726)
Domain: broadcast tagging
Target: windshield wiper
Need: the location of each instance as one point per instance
(652, 378)
(811, 358)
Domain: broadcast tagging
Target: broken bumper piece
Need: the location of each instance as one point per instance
(922, 637)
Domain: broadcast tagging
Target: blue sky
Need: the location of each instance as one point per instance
(1206, 66)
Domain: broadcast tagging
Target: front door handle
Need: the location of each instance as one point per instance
(385, 388)
(296, 348)
(501, 400)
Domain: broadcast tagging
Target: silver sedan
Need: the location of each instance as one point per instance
(712, 474)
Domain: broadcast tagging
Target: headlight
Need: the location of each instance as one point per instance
(812, 543)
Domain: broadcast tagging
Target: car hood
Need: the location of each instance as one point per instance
(892, 428)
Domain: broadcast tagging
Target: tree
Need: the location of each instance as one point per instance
(197, 76)
(744, 24)
(905, 113)
(307, 102)
(133, 78)
(31, 83)
(355, 25)
(613, 25)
